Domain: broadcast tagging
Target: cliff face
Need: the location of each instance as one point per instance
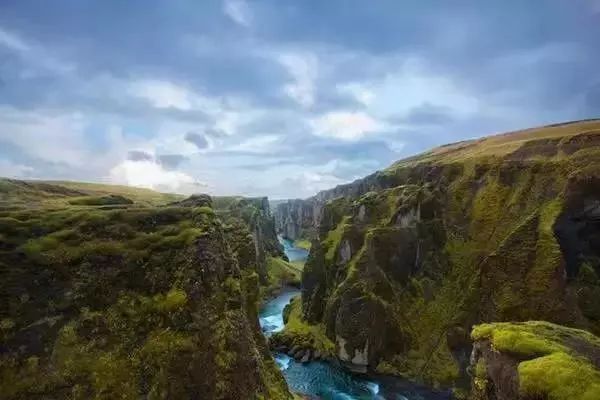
(503, 228)
(132, 302)
(252, 216)
(295, 219)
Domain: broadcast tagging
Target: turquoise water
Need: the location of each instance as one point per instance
(292, 252)
(325, 380)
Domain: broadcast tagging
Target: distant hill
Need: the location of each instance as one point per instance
(16, 194)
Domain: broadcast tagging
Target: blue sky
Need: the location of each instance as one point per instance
(278, 97)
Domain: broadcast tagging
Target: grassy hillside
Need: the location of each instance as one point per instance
(36, 194)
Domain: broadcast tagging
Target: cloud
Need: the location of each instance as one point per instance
(8, 169)
(197, 140)
(346, 125)
(151, 175)
(238, 11)
(138, 155)
(428, 114)
(361, 93)
(12, 41)
(171, 161)
(303, 69)
(46, 135)
(164, 94)
(260, 144)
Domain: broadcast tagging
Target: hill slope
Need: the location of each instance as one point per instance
(36, 194)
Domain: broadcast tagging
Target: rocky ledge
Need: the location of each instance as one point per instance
(534, 360)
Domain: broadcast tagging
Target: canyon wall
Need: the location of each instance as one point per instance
(136, 302)
(407, 260)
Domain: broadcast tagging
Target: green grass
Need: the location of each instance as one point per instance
(302, 243)
(300, 333)
(281, 273)
(16, 194)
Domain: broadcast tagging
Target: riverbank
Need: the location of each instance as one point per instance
(326, 379)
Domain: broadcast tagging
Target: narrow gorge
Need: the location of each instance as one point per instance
(471, 271)
(405, 262)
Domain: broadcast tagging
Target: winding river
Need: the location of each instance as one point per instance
(325, 380)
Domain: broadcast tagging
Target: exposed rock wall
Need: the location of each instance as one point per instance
(491, 230)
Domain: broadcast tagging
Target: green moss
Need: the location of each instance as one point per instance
(281, 273)
(555, 365)
(100, 200)
(527, 339)
(559, 376)
(302, 243)
(175, 299)
(299, 332)
(480, 369)
(333, 239)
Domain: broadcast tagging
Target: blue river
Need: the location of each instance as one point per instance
(327, 381)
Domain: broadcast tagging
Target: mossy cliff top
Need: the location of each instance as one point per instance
(153, 302)
(534, 360)
(503, 228)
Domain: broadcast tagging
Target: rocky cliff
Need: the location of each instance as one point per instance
(134, 302)
(497, 229)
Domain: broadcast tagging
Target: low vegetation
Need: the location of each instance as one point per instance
(555, 362)
(154, 302)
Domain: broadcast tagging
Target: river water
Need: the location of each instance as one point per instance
(325, 380)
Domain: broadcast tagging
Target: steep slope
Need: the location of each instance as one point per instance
(132, 302)
(503, 228)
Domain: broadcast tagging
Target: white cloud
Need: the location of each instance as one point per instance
(12, 41)
(165, 94)
(151, 175)
(361, 93)
(303, 68)
(9, 169)
(346, 125)
(238, 11)
(259, 144)
(409, 86)
(46, 135)
(36, 59)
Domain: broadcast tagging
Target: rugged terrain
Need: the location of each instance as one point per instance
(405, 261)
(106, 296)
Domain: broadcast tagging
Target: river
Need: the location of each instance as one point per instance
(325, 380)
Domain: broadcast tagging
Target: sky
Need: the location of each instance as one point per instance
(278, 97)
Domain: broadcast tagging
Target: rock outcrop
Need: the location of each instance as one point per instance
(503, 228)
(133, 303)
(534, 360)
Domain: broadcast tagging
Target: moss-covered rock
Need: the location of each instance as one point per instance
(534, 360)
(131, 303)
